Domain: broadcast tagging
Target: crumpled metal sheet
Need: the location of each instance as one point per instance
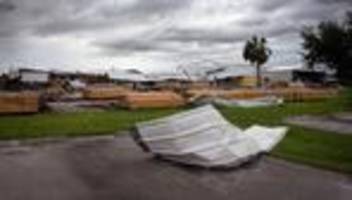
(245, 103)
(203, 137)
(249, 103)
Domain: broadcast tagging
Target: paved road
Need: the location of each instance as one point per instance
(340, 123)
(114, 168)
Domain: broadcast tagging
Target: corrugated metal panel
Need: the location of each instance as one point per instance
(249, 103)
(203, 137)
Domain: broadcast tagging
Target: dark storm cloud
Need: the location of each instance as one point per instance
(45, 17)
(200, 36)
(6, 6)
(255, 21)
(334, 1)
(226, 36)
(271, 5)
(135, 46)
(144, 9)
(112, 14)
(129, 46)
(168, 26)
(272, 19)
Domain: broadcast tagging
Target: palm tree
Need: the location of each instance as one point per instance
(256, 52)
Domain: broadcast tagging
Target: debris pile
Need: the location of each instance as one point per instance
(304, 94)
(19, 102)
(294, 94)
(244, 103)
(164, 99)
(104, 92)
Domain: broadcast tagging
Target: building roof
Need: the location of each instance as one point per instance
(32, 70)
(127, 75)
(137, 76)
(232, 72)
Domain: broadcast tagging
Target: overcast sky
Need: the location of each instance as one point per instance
(152, 35)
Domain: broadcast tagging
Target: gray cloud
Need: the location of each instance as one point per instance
(184, 29)
(334, 1)
(201, 36)
(144, 9)
(272, 5)
(6, 6)
(43, 17)
(111, 14)
(128, 46)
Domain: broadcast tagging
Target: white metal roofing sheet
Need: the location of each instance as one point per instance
(201, 136)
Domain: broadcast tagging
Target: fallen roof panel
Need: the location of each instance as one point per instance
(203, 137)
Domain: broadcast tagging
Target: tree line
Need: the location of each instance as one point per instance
(329, 43)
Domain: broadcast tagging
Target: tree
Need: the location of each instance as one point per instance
(330, 43)
(256, 52)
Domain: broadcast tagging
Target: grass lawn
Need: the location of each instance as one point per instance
(326, 150)
(74, 124)
(312, 147)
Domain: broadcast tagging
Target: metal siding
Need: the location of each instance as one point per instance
(203, 137)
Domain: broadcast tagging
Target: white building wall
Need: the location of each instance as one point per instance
(281, 75)
(34, 77)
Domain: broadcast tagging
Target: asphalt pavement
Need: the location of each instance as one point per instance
(114, 168)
